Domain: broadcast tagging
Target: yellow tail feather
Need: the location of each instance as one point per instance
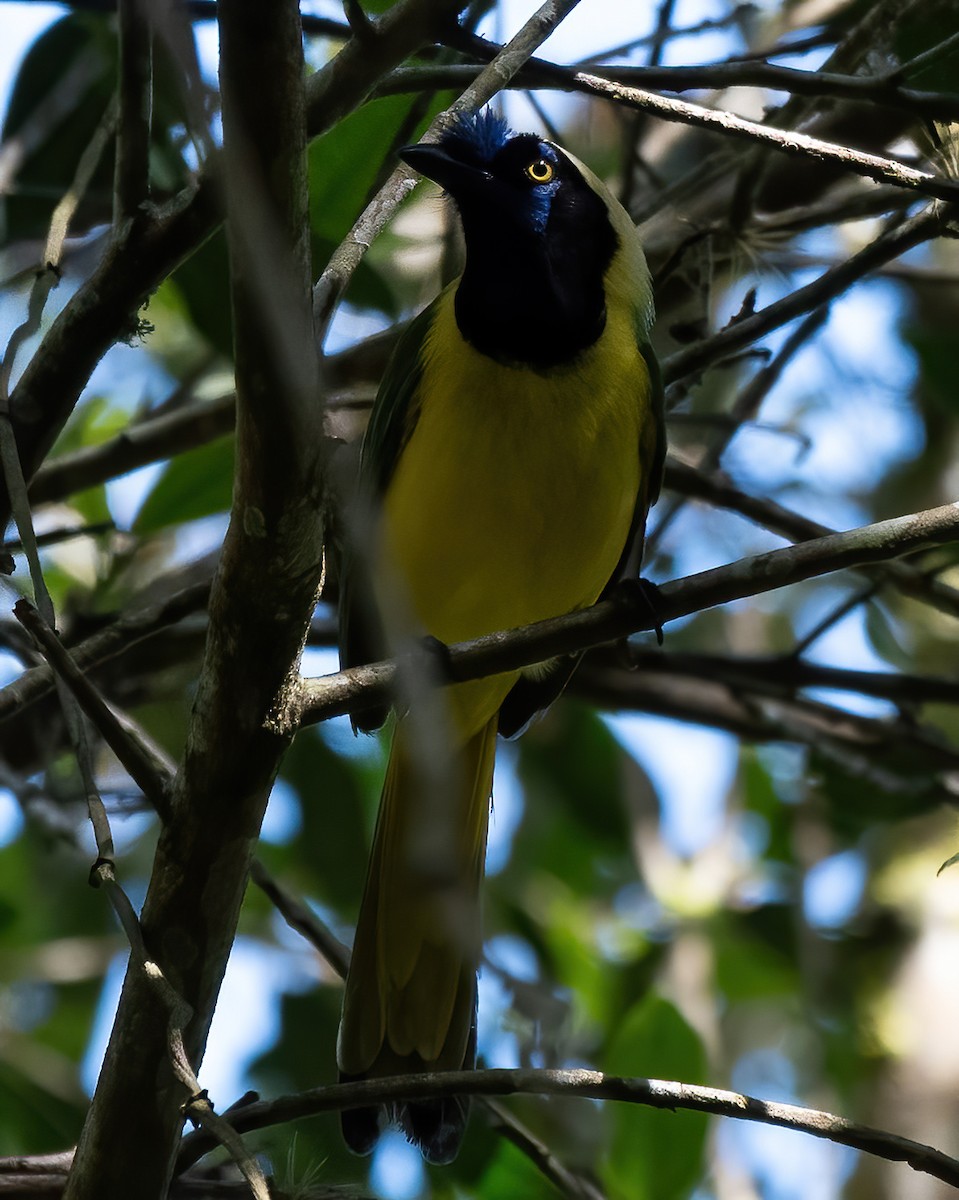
(410, 1001)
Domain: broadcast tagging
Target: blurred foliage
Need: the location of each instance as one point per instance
(781, 930)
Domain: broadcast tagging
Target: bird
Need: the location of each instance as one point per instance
(513, 450)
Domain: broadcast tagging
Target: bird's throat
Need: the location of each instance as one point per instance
(520, 303)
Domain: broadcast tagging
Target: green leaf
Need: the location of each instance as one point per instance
(81, 49)
(572, 768)
(336, 794)
(752, 967)
(78, 55)
(512, 1174)
(346, 162)
(203, 282)
(195, 484)
(655, 1154)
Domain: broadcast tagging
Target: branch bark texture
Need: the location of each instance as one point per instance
(260, 607)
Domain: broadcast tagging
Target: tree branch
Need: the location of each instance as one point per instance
(125, 632)
(594, 1085)
(260, 608)
(609, 620)
(139, 765)
(688, 363)
(135, 88)
(897, 756)
(885, 89)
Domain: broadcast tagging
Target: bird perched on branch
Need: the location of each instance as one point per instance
(514, 448)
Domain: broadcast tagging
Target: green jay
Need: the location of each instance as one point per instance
(513, 451)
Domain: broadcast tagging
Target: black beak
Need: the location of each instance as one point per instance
(436, 164)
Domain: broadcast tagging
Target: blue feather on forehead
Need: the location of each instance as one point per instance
(484, 133)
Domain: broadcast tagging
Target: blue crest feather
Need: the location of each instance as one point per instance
(484, 133)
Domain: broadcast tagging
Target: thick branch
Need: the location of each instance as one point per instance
(260, 608)
(135, 86)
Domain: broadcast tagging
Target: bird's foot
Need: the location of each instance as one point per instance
(642, 595)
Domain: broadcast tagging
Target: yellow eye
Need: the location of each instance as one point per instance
(539, 170)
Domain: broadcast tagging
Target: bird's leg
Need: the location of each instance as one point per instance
(434, 656)
(640, 595)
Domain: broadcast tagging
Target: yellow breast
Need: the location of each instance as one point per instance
(513, 498)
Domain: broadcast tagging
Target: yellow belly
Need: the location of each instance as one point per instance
(513, 498)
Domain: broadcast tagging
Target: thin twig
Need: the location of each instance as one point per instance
(842, 609)
(745, 408)
(55, 537)
(576, 1187)
(197, 1108)
(140, 766)
(707, 25)
(301, 918)
(689, 362)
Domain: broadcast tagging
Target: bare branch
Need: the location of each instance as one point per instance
(885, 89)
(576, 1187)
(140, 766)
(302, 919)
(897, 755)
(127, 631)
(609, 620)
(594, 1085)
(889, 245)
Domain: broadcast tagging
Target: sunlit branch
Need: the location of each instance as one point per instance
(886, 89)
(594, 1085)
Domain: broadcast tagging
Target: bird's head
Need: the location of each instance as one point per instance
(540, 231)
(493, 174)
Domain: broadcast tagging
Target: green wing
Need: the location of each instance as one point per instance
(652, 456)
(396, 407)
(392, 420)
